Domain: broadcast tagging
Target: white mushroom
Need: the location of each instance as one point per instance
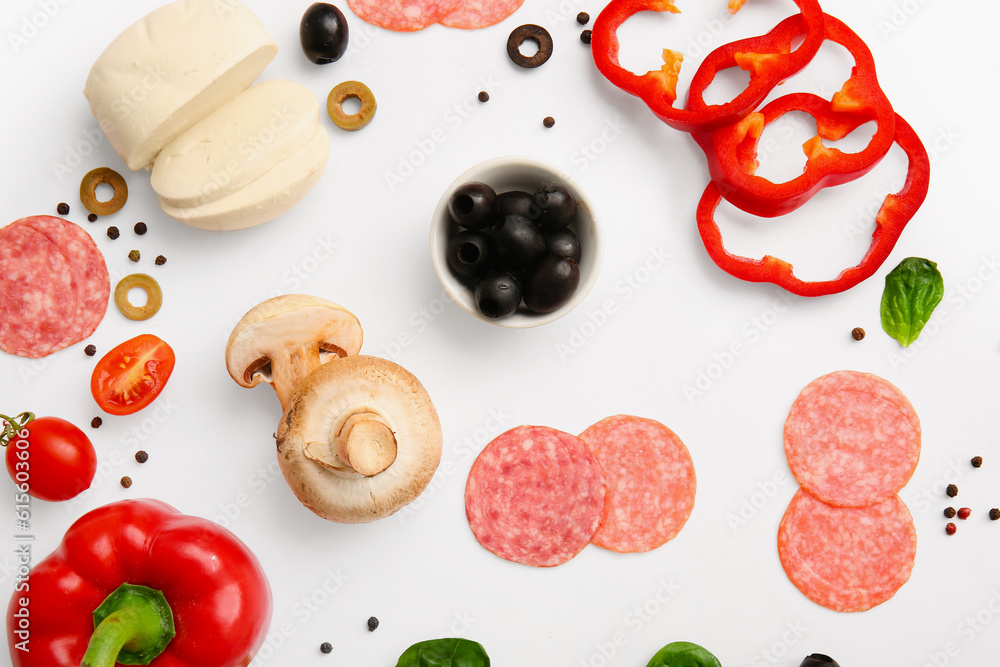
(281, 340)
(359, 440)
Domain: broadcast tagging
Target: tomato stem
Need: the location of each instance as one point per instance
(11, 425)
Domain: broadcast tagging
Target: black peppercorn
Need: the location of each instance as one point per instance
(90, 350)
(952, 490)
(484, 96)
(140, 228)
(96, 422)
(62, 208)
(113, 232)
(586, 36)
(92, 217)
(372, 624)
(949, 513)
(160, 260)
(141, 456)
(583, 18)
(857, 333)
(126, 481)
(326, 647)
(995, 514)
(549, 121)
(977, 461)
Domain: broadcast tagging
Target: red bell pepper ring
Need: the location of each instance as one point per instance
(896, 211)
(72, 609)
(769, 61)
(731, 151)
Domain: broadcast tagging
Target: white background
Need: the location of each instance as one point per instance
(648, 330)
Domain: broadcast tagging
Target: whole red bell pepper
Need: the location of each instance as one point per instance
(896, 211)
(769, 61)
(135, 582)
(732, 150)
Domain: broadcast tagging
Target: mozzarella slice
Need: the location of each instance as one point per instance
(276, 191)
(172, 68)
(236, 144)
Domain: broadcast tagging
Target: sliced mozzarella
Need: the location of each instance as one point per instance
(171, 69)
(236, 144)
(276, 191)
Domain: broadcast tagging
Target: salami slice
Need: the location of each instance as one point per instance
(852, 439)
(535, 496)
(651, 482)
(37, 294)
(403, 15)
(472, 14)
(55, 286)
(847, 558)
(88, 269)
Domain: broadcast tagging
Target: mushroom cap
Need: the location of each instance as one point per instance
(285, 323)
(322, 404)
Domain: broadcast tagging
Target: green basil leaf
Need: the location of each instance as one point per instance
(912, 292)
(683, 654)
(444, 653)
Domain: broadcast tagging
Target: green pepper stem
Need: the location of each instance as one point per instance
(131, 627)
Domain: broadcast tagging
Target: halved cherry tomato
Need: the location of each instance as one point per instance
(54, 461)
(130, 376)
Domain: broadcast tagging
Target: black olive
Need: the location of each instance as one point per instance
(557, 204)
(819, 660)
(551, 284)
(516, 202)
(498, 295)
(518, 242)
(563, 243)
(532, 32)
(474, 206)
(323, 33)
(469, 254)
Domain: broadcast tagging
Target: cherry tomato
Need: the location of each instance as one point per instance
(130, 376)
(56, 461)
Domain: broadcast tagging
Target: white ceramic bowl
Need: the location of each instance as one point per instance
(504, 174)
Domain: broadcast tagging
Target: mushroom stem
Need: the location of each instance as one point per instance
(366, 444)
(289, 367)
(363, 444)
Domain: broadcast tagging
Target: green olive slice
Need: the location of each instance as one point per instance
(154, 296)
(88, 191)
(345, 91)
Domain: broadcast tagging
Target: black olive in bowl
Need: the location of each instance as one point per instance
(564, 243)
(551, 284)
(474, 206)
(557, 205)
(498, 295)
(470, 254)
(517, 202)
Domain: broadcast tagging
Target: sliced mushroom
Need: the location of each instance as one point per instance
(282, 340)
(359, 440)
